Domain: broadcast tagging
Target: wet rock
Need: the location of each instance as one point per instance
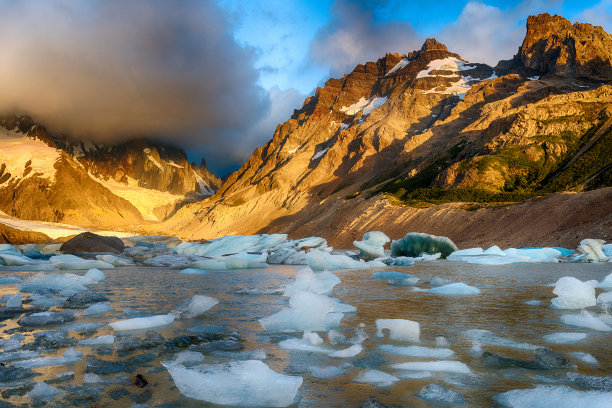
(82, 395)
(11, 312)
(373, 403)
(218, 345)
(374, 358)
(139, 360)
(85, 298)
(43, 318)
(118, 393)
(441, 394)
(51, 340)
(545, 359)
(142, 397)
(16, 391)
(150, 340)
(102, 367)
(90, 242)
(590, 382)
(140, 381)
(186, 341)
(10, 374)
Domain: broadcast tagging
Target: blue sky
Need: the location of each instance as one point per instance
(217, 76)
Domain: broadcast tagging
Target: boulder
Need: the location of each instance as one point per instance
(90, 242)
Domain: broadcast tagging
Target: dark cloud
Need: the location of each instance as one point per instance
(353, 36)
(114, 69)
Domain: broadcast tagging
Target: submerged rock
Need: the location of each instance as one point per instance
(373, 403)
(85, 298)
(590, 382)
(150, 340)
(43, 318)
(9, 374)
(545, 359)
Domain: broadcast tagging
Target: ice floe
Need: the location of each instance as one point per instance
(310, 342)
(496, 256)
(376, 377)
(348, 352)
(558, 396)
(415, 244)
(417, 351)
(585, 358)
(586, 320)
(372, 245)
(74, 262)
(70, 356)
(442, 366)
(108, 340)
(573, 294)
(43, 392)
(320, 260)
(458, 288)
(306, 311)
(142, 323)
(222, 263)
(488, 338)
(242, 383)
(606, 283)
(197, 305)
(97, 308)
(327, 372)
(564, 338)
(306, 280)
(399, 329)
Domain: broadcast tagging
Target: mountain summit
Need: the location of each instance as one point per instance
(423, 128)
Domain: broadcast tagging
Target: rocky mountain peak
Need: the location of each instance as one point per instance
(432, 44)
(553, 45)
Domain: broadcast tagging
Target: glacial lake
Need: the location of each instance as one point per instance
(245, 296)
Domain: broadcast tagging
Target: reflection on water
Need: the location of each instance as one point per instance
(246, 296)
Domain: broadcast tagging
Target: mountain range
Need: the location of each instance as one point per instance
(421, 141)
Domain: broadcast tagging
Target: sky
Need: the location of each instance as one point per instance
(217, 77)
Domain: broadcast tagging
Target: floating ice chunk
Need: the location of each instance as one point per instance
(417, 243)
(98, 341)
(306, 280)
(14, 300)
(320, 260)
(43, 392)
(95, 274)
(585, 358)
(428, 257)
(74, 262)
(372, 245)
(535, 254)
(593, 249)
(606, 283)
(573, 294)
(376, 377)
(13, 342)
(14, 260)
(327, 372)
(564, 338)
(198, 305)
(70, 356)
(193, 271)
(390, 275)
(442, 365)
(418, 351)
(287, 256)
(18, 355)
(441, 342)
(585, 319)
(476, 349)
(189, 357)
(226, 262)
(42, 318)
(349, 352)
(340, 307)
(488, 338)
(142, 323)
(558, 396)
(55, 282)
(605, 297)
(5, 280)
(91, 378)
(399, 329)
(97, 308)
(533, 302)
(116, 261)
(396, 261)
(233, 244)
(307, 311)
(242, 383)
(310, 342)
(458, 288)
(414, 375)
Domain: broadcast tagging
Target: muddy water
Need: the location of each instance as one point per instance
(245, 297)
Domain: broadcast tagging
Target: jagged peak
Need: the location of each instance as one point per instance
(431, 44)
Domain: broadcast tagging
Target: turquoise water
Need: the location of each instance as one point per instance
(246, 296)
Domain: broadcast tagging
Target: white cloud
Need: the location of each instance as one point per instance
(600, 14)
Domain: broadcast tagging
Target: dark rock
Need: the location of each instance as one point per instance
(218, 345)
(440, 393)
(374, 358)
(118, 393)
(545, 359)
(140, 381)
(373, 403)
(43, 318)
(590, 382)
(151, 339)
(19, 391)
(11, 312)
(142, 397)
(102, 367)
(90, 242)
(8, 374)
(85, 298)
(51, 340)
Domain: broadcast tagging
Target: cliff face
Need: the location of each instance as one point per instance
(423, 123)
(50, 177)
